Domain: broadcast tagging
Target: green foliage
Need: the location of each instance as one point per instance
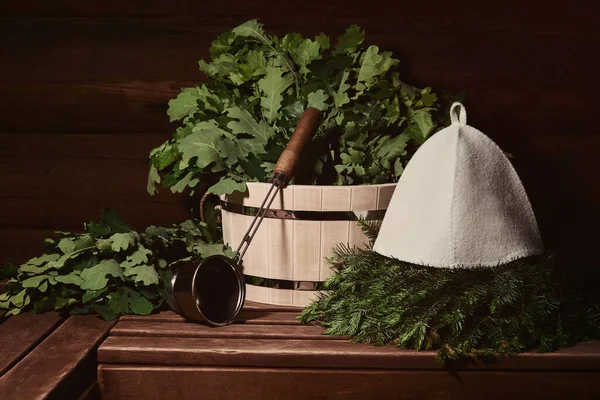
(234, 127)
(110, 270)
(461, 312)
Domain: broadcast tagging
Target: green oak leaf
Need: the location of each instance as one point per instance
(95, 278)
(140, 256)
(370, 67)
(98, 230)
(43, 287)
(13, 311)
(305, 53)
(192, 228)
(45, 258)
(350, 40)
(210, 126)
(387, 61)
(139, 304)
(398, 168)
(109, 223)
(70, 278)
(119, 302)
(62, 303)
(359, 170)
(90, 295)
(318, 100)
(227, 185)
(153, 179)
(323, 41)
(84, 309)
(34, 281)
(55, 264)
(146, 274)
(121, 241)
(189, 180)
(83, 242)
(244, 123)
(44, 304)
(206, 250)
(220, 67)
(156, 231)
(221, 44)
(427, 98)
(256, 65)
(164, 155)
(341, 96)
(254, 30)
(392, 150)
(392, 109)
(104, 310)
(20, 299)
(291, 41)
(186, 102)
(352, 157)
(231, 151)
(272, 86)
(66, 245)
(201, 145)
(424, 123)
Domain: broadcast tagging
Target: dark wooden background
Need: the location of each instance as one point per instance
(84, 88)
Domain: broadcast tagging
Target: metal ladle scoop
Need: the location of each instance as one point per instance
(214, 290)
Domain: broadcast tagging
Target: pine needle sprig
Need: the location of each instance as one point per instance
(460, 312)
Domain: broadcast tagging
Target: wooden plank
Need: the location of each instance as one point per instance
(235, 331)
(90, 37)
(75, 177)
(129, 146)
(102, 107)
(60, 364)
(96, 170)
(148, 383)
(112, 64)
(315, 353)
(254, 306)
(535, 15)
(19, 245)
(91, 393)
(250, 317)
(538, 17)
(21, 333)
(60, 214)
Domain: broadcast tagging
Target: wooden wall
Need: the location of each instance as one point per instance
(84, 88)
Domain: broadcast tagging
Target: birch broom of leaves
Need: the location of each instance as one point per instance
(462, 312)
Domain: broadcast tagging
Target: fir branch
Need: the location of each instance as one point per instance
(460, 312)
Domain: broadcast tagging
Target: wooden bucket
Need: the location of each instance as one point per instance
(299, 232)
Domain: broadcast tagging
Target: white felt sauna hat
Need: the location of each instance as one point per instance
(459, 202)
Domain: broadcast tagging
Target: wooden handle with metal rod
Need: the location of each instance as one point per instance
(286, 164)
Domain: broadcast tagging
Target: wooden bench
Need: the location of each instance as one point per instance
(47, 356)
(268, 354)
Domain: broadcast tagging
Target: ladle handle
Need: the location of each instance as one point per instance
(288, 160)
